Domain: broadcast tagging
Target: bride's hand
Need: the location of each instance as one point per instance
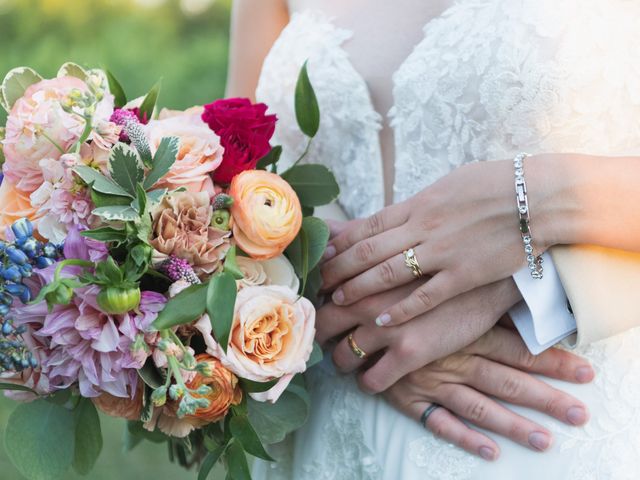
(494, 366)
(463, 229)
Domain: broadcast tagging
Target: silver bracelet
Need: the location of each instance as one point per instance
(534, 261)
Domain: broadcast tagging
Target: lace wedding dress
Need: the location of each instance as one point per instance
(488, 79)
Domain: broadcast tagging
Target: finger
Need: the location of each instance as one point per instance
(333, 321)
(386, 219)
(336, 228)
(423, 299)
(384, 276)
(480, 410)
(370, 341)
(365, 254)
(519, 388)
(443, 424)
(506, 346)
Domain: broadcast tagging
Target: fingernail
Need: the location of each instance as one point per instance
(338, 297)
(487, 453)
(539, 441)
(577, 415)
(330, 252)
(584, 374)
(383, 320)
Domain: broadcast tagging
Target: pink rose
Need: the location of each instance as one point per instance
(271, 337)
(199, 153)
(245, 132)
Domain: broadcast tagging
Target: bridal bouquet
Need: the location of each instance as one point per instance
(155, 266)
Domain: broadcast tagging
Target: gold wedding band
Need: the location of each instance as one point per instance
(411, 261)
(357, 351)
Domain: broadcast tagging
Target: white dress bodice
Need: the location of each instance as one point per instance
(488, 78)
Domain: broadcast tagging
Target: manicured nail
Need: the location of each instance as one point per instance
(383, 320)
(584, 374)
(539, 441)
(577, 415)
(487, 453)
(338, 297)
(329, 253)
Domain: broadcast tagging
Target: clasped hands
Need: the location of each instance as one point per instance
(437, 339)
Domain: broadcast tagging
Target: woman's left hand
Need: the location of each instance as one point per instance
(463, 229)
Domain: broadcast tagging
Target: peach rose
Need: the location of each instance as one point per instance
(225, 390)
(266, 212)
(181, 227)
(275, 271)
(14, 204)
(271, 337)
(199, 153)
(118, 407)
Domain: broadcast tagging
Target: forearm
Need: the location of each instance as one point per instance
(582, 199)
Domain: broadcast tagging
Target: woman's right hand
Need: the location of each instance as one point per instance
(496, 365)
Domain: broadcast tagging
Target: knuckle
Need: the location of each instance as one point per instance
(527, 360)
(387, 273)
(511, 388)
(477, 411)
(552, 405)
(364, 250)
(423, 297)
(517, 431)
(374, 225)
(406, 348)
(371, 383)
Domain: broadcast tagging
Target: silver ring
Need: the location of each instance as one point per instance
(427, 413)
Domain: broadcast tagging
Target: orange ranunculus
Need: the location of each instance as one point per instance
(14, 204)
(266, 212)
(225, 390)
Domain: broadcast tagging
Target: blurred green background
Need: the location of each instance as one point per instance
(185, 43)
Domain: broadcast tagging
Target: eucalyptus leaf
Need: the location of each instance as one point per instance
(125, 168)
(120, 99)
(243, 432)
(306, 104)
(123, 213)
(237, 462)
(106, 234)
(187, 306)
(88, 444)
(164, 158)
(273, 421)
(71, 69)
(40, 439)
(149, 103)
(221, 300)
(270, 158)
(99, 182)
(14, 85)
(314, 184)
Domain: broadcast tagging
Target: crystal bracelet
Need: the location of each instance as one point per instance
(534, 261)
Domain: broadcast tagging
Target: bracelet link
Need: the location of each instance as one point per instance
(522, 201)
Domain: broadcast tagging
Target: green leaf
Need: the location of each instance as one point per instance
(251, 386)
(306, 104)
(120, 99)
(71, 69)
(189, 305)
(149, 103)
(314, 184)
(109, 272)
(129, 440)
(147, 404)
(99, 182)
(242, 431)
(164, 158)
(155, 196)
(14, 85)
(237, 462)
(270, 158)
(313, 286)
(40, 439)
(125, 168)
(88, 437)
(316, 355)
(221, 300)
(16, 387)
(150, 374)
(106, 234)
(123, 213)
(104, 200)
(316, 233)
(273, 421)
(141, 199)
(231, 264)
(137, 429)
(209, 462)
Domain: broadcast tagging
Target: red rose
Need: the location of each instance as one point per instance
(244, 130)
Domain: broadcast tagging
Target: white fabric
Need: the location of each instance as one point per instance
(543, 317)
(489, 78)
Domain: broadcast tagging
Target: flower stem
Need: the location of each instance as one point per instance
(70, 263)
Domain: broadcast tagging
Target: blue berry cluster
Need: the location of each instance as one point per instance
(14, 354)
(18, 260)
